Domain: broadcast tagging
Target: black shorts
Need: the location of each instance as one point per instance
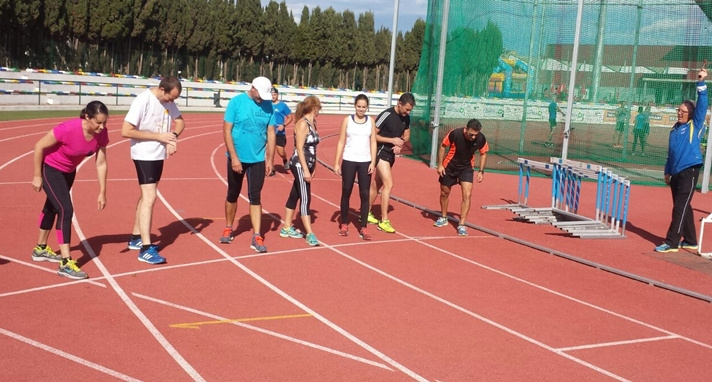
(281, 140)
(620, 126)
(148, 171)
(386, 154)
(453, 177)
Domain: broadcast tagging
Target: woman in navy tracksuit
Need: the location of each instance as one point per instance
(682, 168)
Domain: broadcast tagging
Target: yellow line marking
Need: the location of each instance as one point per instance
(197, 325)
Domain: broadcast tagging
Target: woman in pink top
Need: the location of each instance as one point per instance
(56, 158)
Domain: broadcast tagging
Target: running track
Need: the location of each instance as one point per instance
(421, 304)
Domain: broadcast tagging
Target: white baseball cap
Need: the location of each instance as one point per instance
(263, 86)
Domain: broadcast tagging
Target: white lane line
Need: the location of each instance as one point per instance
(31, 265)
(453, 305)
(264, 331)
(618, 343)
(68, 356)
(291, 299)
(129, 303)
(196, 263)
(567, 297)
(22, 136)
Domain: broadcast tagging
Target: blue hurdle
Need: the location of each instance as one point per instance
(611, 199)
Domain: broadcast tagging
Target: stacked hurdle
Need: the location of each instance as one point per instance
(611, 202)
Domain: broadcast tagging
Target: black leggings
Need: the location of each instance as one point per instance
(56, 185)
(301, 189)
(255, 173)
(349, 171)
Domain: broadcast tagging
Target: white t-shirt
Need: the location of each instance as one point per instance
(358, 140)
(147, 113)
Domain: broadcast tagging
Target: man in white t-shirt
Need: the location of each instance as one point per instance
(148, 124)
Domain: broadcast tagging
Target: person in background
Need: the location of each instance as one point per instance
(357, 147)
(392, 131)
(303, 166)
(622, 116)
(248, 131)
(682, 168)
(282, 117)
(553, 108)
(641, 129)
(56, 157)
(458, 167)
(148, 124)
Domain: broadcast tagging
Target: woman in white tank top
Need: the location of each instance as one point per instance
(357, 148)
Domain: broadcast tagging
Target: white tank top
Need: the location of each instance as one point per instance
(358, 140)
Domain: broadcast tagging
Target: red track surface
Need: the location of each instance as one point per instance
(420, 304)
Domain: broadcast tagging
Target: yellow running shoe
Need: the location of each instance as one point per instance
(385, 226)
(372, 219)
(45, 254)
(71, 270)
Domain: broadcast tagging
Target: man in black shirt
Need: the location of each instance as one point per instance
(458, 167)
(392, 131)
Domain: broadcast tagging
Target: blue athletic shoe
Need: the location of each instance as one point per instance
(441, 222)
(462, 230)
(311, 239)
(685, 245)
(151, 256)
(665, 248)
(135, 244)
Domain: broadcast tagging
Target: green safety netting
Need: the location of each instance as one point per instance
(506, 61)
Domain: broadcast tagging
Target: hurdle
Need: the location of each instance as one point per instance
(706, 255)
(611, 199)
(525, 172)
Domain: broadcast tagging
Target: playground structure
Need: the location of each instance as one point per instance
(611, 201)
(510, 78)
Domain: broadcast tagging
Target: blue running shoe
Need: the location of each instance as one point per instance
(685, 245)
(462, 230)
(135, 244)
(311, 239)
(151, 256)
(290, 232)
(258, 243)
(665, 248)
(441, 222)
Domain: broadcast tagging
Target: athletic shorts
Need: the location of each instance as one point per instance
(281, 140)
(552, 124)
(148, 171)
(385, 154)
(620, 126)
(453, 177)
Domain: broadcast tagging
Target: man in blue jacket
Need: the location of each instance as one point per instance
(682, 168)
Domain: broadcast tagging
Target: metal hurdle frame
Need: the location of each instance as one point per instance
(706, 255)
(525, 166)
(612, 201)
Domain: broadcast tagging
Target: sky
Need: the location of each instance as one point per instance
(409, 10)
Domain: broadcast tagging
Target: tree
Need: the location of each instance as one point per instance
(365, 49)
(348, 30)
(250, 32)
(382, 57)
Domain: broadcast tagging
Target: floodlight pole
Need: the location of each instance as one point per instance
(572, 80)
(529, 81)
(393, 54)
(439, 86)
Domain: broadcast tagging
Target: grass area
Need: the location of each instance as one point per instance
(32, 114)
